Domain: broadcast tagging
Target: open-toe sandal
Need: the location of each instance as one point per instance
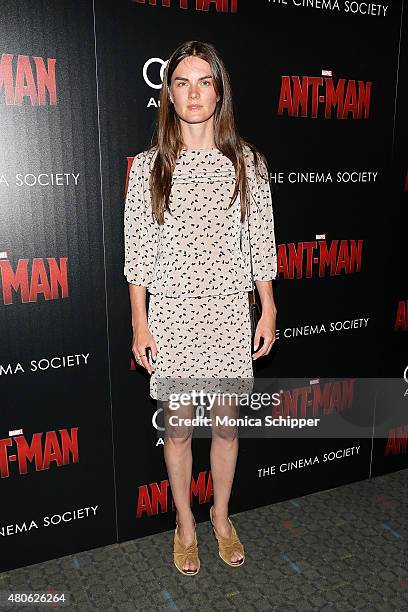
(181, 553)
(227, 546)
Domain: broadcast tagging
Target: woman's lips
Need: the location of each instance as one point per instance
(194, 106)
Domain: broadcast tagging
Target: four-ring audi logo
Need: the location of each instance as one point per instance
(146, 70)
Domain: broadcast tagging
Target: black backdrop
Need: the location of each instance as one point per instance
(80, 462)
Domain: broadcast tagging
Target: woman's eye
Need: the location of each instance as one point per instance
(182, 83)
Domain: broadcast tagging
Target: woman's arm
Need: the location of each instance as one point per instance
(141, 243)
(140, 228)
(142, 338)
(266, 327)
(264, 259)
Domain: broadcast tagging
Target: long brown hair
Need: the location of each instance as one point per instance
(167, 139)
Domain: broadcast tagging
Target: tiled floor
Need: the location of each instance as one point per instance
(343, 549)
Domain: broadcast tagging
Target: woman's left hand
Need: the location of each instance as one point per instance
(265, 329)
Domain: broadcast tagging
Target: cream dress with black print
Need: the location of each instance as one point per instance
(196, 266)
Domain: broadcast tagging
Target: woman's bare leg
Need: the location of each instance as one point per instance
(179, 460)
(223, 457)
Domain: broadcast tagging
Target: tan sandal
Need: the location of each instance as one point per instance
(181, 553)
(227, 546)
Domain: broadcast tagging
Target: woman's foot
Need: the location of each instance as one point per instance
(223, 528)
(186, 533)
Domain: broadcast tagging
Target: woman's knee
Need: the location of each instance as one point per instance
(178, 439)
(225, 435)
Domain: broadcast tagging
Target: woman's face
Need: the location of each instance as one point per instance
(192, 90)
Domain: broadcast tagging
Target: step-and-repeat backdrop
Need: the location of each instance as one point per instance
(319, 88)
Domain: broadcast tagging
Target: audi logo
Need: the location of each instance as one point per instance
(162, 64)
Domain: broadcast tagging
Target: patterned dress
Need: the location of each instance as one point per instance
(196, 266)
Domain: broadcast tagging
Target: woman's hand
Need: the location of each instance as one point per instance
(265, 329)
(142, 340)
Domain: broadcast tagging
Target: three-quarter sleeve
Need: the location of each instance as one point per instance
(261, 228)
(141, 231)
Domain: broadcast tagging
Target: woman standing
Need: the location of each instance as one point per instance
(187, 242)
